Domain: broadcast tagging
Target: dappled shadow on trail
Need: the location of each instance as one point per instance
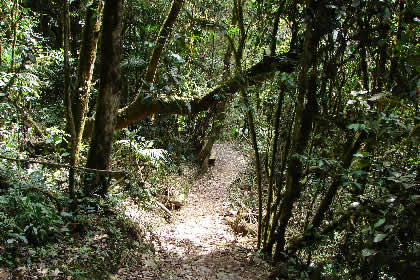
(198, 244)
(229, 261)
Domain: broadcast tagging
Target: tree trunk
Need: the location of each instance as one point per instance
(219, 120)
(219, 111)
(316, 27)
(332, 190)
(273, 42)
(268, 248)
(108, 98)
(14, 30)
(302, 131)
(303, 128)
(238, 54)
(87, 57)
(251, 126)
(268, 214)
(160, 42)
(67, 92)
(76, 102)
(141, 108)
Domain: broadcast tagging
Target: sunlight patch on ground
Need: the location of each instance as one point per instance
(197, 243)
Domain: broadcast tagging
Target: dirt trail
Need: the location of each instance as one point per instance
(198, 244)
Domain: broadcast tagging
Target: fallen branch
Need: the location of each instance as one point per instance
(164, 208)
(110, 172)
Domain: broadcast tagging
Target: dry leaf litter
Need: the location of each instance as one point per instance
(198, 243)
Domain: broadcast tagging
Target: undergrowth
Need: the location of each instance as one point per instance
(43, 237)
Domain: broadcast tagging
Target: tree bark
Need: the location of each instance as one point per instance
(305, 114)
(67, 93)
(219, 119)
(14, 22)
(160, 42)
(77, 101)
(238, 54)
(251, 126)
(108, 99)
(87, 57)
(273, 43)
(346, 159)
(143, 107)
(268, 214)
(318, 24)
(332, 190)
(275, 208)
(302, 131)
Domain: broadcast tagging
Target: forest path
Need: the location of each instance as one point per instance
(198, 244)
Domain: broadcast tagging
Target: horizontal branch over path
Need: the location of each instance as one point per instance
(143, 107)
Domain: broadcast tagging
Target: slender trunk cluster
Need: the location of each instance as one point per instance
(76, 98)
(306, 110)
(269, 213)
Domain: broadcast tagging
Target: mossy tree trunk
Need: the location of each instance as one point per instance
(77, 99)
(160, 42)
(108, 99)
(266, 221)
(87, 57)
(141, 107)
(67, 92)
(218, 121)
(14, 22)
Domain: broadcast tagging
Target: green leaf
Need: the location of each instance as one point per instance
(356, 126)
(359, 173)
(355, 204)
(362, 163)
(66, 214)
(357, 185)
(368, 252)
(379, 237)
(23, 238)
(177, 58)
(376, 97)
(379, 223)
(64, 229)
